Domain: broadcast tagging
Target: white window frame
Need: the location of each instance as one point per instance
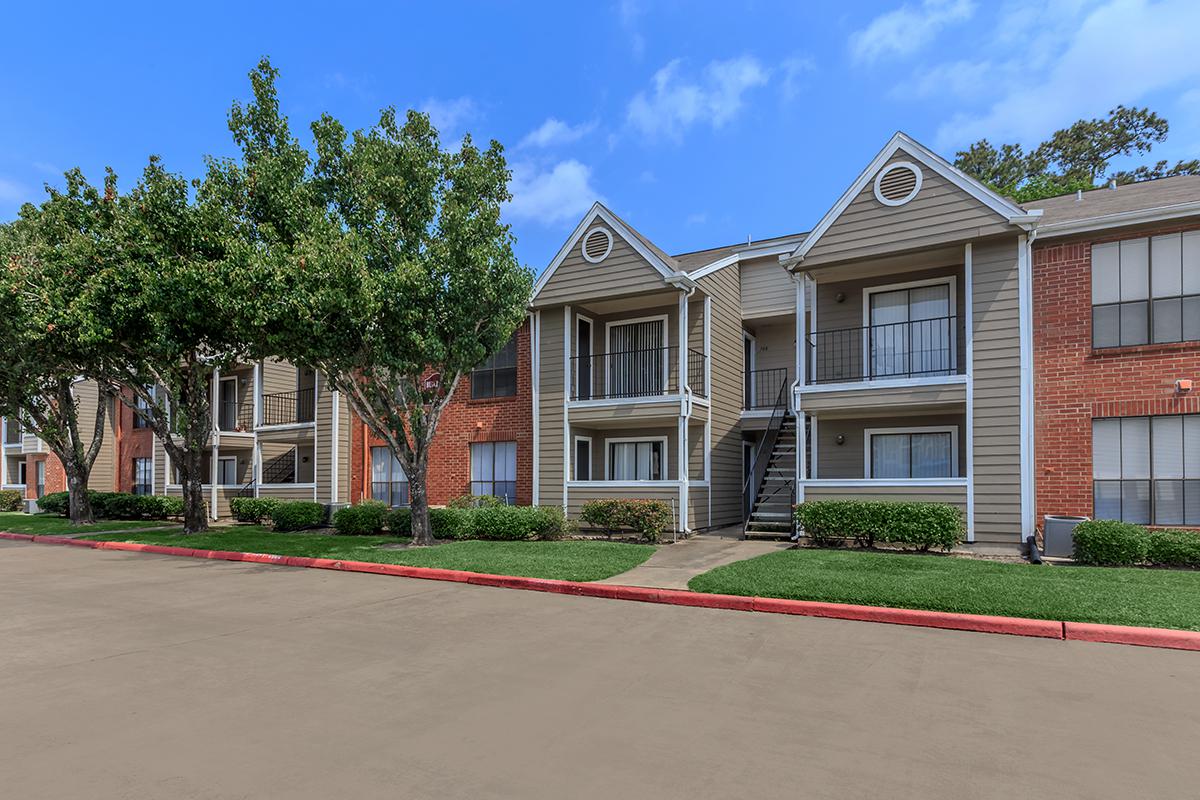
(952, 280)
(609, 325)
(516, 462)
(666, 469)
(950, 429)
(575, 458)
(220, 402)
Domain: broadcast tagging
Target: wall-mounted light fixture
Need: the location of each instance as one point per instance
(840, 297)
(1183, 385)
(840, 439)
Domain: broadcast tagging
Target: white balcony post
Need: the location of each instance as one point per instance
(683, 342)
(257, 394)
(215, 433)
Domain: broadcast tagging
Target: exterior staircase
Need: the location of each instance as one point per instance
(771, 513)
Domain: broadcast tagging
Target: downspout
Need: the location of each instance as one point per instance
(685, 410)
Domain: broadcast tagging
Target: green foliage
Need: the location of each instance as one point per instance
(648, 518)
(1173, 548)
(364, 519)
(10, 499)
(475, 501)
(54, 503)
(398, 521)
(1073, 158)
(296, 515)
(450, 523)
(1108, 543)
(923, 526)
(116, 505)
(252, 509)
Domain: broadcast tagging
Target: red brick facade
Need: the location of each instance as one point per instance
(502, 419)
(1074, 383)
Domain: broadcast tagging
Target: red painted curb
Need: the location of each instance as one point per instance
(1123, 634)
(1014, 626)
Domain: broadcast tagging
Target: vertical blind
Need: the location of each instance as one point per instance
(494, 470)
(638, 359)
(910, 331)
(635, 461)
(912, 455)
(1147, 469)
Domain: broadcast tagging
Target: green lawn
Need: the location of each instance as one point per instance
(1154, 598)
(567, 560)
(52, 524)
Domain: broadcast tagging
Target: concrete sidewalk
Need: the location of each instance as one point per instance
(673, 565)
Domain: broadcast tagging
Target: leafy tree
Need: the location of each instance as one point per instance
(1074, 157)
(52, 256)
(179, 303)
(385, 262)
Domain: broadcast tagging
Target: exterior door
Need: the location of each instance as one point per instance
(910, 332)
(227, 414)
(583, 359)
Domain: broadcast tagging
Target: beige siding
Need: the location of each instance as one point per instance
(954, 495)
(286, 492)
(698, 508)
(277, 376)
(325, 445)
(103, 477)
(623, 272)
(849, 401)
(848, 460)
(549, 414)
(766, 288)
(601, 436)
(997, 393)
(667, 494)
(726, 403)
(940, 213)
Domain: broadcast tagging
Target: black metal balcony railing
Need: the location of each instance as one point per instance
(761, 386)
(234, 416)
(288, 408)
(635, 373)
(919, 348)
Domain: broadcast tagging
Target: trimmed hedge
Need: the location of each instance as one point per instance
(923, 526)
(117, 505)
(513, 523)
(295, 515)
(398, 521)
(1176, 548)
(645, 517)
(252, 509)
(1108, 543)
(450, 523)
(364, 519)
(10, 499)
(475, 501)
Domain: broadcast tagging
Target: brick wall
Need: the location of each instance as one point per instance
(131, 443)
(1073, 383)
(503, 419)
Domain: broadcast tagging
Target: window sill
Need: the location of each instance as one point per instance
(504, 398)
(1144, 349)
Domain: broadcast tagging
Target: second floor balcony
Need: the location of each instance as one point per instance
(920, 348)
(641, 373)
(289, 408)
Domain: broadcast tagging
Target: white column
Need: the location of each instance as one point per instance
(3, 451)
(216, 443)
(257, 382)
(969, 335)
(708, 359)
(683, 342)
(566, 474)
(1025, 308)
(801, 373)
(535, 334)
(335, 450)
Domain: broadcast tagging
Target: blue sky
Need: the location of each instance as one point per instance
(700, 123)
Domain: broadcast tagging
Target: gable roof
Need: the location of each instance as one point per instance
(901, 141)
(1127, 204)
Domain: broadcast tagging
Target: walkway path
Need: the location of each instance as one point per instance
(673, 565)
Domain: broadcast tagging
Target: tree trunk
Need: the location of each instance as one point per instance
(80, 504)
(195, 513)
(418, 501)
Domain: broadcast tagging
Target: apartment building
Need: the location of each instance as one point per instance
(1117, 353)
(878, 355)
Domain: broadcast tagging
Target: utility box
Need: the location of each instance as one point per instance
(1058, 538)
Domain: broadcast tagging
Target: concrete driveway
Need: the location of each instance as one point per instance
(132, 676)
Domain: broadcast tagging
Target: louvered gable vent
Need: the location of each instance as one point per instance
(597, 244)
(897, 184)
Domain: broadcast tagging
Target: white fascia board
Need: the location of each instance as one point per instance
(901, 141)
(752, 252)
(1141, 216)
(598, 211)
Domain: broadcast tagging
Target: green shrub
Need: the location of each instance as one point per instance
(910, 524)
(55, 503)
(475, 501)
(1108, 543)
(364, 519)
(252, 509)
(1176, 548)
(398, 521)
(504, 523)
(172, 506)
(550, 523)
(647, 518)
(451, 523)
(295, 515)
(10, 499)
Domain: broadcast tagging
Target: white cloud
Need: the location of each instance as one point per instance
(676, 103)
(13, 192)
(907, 29)
(699, 218)
(556, 132)
(959, 79)
(628, 11)
(1119, 53)
(795, 69)
(450, 116)
(549, 196)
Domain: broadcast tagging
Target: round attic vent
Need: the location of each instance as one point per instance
(597, 244)
(897, 183)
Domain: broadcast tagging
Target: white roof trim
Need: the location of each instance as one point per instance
(598, 211)
(1119, 219)
(729, 260)
(901, 141)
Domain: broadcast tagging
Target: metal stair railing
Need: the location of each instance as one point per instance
(766, 450)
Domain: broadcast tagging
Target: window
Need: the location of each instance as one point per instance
(912, 453)
(911, 330)
(638, 358)
(494, 470)
(497, 375)
(1146, 290)
(227, 471)
(143, 407)
(143, 476)
(583, 458)
(22, 473)
(636, 460)
(1147, 469)
(389, 482)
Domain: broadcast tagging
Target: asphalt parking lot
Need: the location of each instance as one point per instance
(126, 675)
